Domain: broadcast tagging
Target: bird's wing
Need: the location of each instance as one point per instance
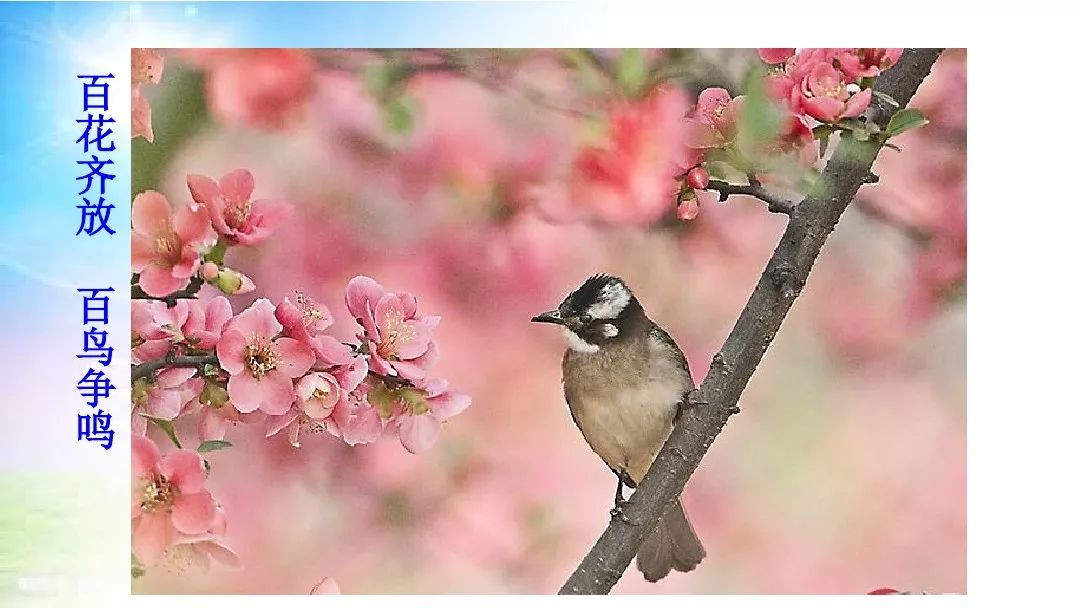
(663, 340)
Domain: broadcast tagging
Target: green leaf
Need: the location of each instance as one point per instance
(378, 77)
(167, 427)
(905, 120)
(398, 115)
(213, 444)
(822, 134)
(759, 118)
(822, 131)
(632, 71)
(860, 133)
(217, 252)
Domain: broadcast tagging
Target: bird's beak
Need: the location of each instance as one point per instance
(548, 317)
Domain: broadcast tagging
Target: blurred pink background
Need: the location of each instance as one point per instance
(845, 471)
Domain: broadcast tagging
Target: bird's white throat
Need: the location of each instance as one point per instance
(576, 344)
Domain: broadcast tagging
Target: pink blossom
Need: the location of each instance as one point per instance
(866, 63)
(261, 365)
(148, 340)
(355, 419)
(192, 322)
(327, 586)
(215, 419)
(302, 322)
(623, 177)
(167, 498)
(165, 245)
(141, 125)
(234, 215)
(715, 119)
(399, 338)
(163, 397)
(317, 395)
(205, 322)
(416, 412)
(775, 55)
(783, 84)
(418, 426)
(202, 549)
(146, 66)
(263, 88)
(826, 96)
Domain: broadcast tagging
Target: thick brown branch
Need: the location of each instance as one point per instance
(146, 370)
(707, 408)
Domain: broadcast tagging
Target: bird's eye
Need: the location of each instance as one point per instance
(585, 317)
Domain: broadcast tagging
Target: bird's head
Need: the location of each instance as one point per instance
(601, 311)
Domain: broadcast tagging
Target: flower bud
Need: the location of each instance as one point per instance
(698, 178)
(209, 271)
(228, 281)
(688, 209)
(232, 282)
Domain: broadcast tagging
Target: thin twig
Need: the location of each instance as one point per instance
(707, 408)
(754, 189)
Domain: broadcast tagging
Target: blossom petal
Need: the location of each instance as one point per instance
(212, 425)
(231, 349)
(266, 216)
(141, 124)
(193, 225)
(238, 184)
(203, 190)
(327, 586)
(144, 456)
(857, 104)
(365, 427)
(360, 296)
(274, 424)
(825, 109)
(222, 554)
(151, 534)
(294, 359)
(150, 213)
(273, 393)
(449, 404)
(775, 55)
(185, 470)
(159, 282)
(418, 433)
(193, 513)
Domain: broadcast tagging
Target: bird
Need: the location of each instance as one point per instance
(623, 378)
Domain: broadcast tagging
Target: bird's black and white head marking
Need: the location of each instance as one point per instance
(597, 312)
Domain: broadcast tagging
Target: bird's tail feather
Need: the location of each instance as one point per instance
(672, 545)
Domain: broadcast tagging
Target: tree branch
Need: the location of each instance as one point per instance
(706, 409)
(146, 370)
(754, 189)
(187, 293)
